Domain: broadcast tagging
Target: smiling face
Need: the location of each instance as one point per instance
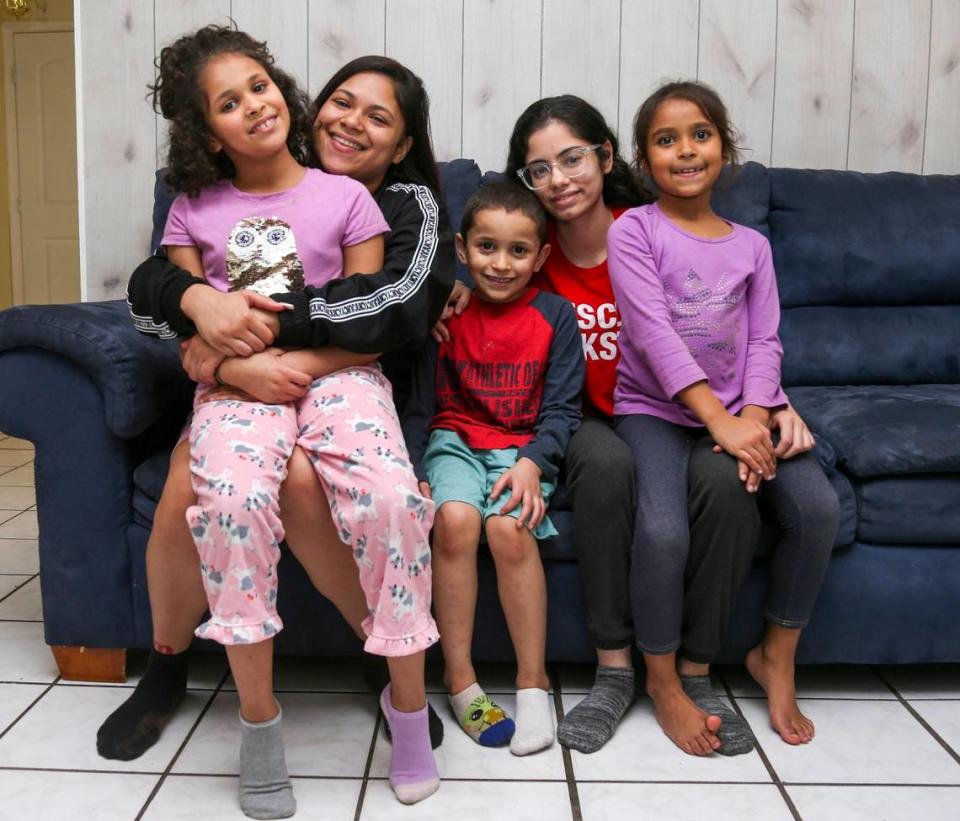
(359, 130)
(502, 251)
(566, 198)
(245, 110)
(684, 152)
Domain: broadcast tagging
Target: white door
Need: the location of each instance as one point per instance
(45, 173)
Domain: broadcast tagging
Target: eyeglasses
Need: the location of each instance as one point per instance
(571, 164)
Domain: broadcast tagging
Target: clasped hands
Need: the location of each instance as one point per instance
(234, 332)
(749, 440)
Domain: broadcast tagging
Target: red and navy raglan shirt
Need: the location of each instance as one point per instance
(510, 376)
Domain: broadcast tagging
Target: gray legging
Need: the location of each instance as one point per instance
(800, 497)
(724, 525)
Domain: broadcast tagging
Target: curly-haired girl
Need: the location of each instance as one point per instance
(252, 217)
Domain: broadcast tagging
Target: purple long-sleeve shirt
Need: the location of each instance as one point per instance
(693, 309)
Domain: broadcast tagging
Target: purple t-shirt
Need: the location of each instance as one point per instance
(692, 309)
(275, 243)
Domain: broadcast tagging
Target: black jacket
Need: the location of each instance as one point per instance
(389, 312)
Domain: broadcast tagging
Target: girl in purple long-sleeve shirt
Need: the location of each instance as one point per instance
(700, 367)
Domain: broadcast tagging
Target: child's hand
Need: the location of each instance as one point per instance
(264, 377)
(227, 321)
(795, 436)
(459, 299)
(425, 490)
(747, 441)
(524, 480)
(200, 360)
(750, 478)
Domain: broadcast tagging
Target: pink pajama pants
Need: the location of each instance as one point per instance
(348, 427)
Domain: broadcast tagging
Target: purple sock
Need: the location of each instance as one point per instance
(413, 770)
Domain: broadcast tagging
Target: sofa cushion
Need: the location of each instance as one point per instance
(886, 430)
(911, 345)
(743, 196)
(910, 510)
(845, 238)
(139, 376)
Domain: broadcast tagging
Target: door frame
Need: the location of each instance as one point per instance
(13, 150)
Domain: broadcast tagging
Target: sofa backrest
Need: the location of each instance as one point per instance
(868, 266)
(868, 269)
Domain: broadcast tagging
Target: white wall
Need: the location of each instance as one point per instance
(872, 85)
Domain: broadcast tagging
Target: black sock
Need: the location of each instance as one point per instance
(376, 674)
(134, 727)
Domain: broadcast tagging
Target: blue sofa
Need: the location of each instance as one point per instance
(868, 267)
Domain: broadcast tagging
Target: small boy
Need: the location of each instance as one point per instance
(499, 401)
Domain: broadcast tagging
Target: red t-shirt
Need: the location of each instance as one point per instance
(590, 292)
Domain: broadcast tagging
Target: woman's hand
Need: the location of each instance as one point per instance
(228, 322)
(265, 378)
(200, 360)
(524, 480)
(795, 436)
(459, 299)
(425, 490)
(746, 440)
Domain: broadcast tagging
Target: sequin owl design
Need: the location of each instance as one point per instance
(262, 256)
(705, 320)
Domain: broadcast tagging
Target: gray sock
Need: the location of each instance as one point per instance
(265, 788)
(735, 735)
(591, 724)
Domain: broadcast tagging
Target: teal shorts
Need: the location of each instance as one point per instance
(458, 473)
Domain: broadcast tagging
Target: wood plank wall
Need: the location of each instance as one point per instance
(871, 85)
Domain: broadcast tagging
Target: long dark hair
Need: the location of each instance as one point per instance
(419, 166)
(619, 186)
(178, 96)
(701, 95)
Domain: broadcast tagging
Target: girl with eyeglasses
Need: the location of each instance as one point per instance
(563, 150)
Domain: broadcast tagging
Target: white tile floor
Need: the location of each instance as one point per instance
(886, 748)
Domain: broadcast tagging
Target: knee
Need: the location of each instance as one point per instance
(301, 487)
(456, 529)
(508, 543)
(821, 512)
(663, 541)
(606, 484)
(178, 493)
(714, 480)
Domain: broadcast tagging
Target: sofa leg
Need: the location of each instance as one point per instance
(90, 663)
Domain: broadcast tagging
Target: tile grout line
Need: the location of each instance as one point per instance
(18, 587)
(180, 749)
(366, 769)
(576, 811)
(29, 707)
(923, 722)
(865, 784)
(85, 771)
(763, 756)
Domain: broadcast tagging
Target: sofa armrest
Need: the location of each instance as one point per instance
(139, 376)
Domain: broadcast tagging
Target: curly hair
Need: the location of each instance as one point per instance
(178, 96)
(584, 121)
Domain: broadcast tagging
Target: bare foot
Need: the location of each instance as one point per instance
(685, 724)
(776, 677)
